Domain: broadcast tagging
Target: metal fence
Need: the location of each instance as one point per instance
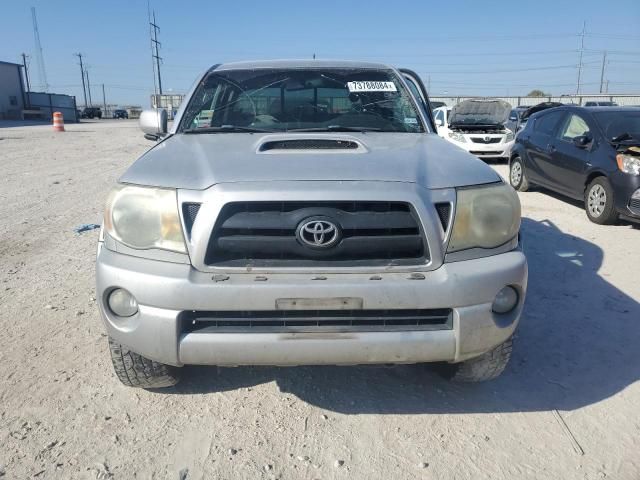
(47, 103)
(620, 99)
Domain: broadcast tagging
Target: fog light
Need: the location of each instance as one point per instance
(506, 300)
(122, 303)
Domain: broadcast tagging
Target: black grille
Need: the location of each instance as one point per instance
(491, 152)
(264, 234)
(309, 144)
(316, 320)
(634, 204)
(486, 140)
(189, 212)
(444, 210)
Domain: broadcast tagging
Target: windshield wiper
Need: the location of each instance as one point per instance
(336, 128)
(227, 128)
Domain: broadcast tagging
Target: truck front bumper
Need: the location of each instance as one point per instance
(165, 290)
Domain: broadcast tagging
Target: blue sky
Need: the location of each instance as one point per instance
(462, 47)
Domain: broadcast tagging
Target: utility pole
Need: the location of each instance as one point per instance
(156, 55)
(86, 71)
(26, 76)
(604, 62)
(584, 26)
(84, 89)
(104, 101)
(26, 70)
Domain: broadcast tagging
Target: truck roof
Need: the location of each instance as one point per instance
(298, 64)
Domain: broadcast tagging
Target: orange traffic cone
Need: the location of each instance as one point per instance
(58, 122)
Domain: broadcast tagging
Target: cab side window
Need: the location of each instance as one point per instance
(573, 127)
(546, 124)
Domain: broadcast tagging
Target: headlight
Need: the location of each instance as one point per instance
(143, 218)
(486, 217)
(628, 164)
(458, 137)
(510, 136)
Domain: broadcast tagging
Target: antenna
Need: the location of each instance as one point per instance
(42, 74)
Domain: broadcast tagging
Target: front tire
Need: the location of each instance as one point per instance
(517, 178)
(599, 202)
(134, 370)
(480, 369)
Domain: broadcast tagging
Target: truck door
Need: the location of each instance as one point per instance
(420, 94)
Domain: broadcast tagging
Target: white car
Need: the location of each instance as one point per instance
(477, 126)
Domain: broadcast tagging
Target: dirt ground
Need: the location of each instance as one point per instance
(567, 407)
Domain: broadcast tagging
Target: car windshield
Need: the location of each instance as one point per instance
(317, 99)
(616, 123)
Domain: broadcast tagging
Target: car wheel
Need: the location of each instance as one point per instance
(134, 370)
(598, 202)
(517, 178)
(480, 369)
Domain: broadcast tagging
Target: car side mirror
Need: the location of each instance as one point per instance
(582, 141)
(154, 123)
(438, 122)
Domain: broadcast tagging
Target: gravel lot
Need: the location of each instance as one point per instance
(567, 407)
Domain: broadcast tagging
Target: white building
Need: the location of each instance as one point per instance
(12, 91)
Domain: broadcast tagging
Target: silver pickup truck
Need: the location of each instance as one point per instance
(306, 213)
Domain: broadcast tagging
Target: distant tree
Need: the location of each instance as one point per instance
(537, 93)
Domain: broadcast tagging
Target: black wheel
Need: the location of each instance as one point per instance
(134, 370)
(517, 178)
(480, 369)
(598, 202)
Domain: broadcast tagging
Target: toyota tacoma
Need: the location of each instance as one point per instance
(307, 213)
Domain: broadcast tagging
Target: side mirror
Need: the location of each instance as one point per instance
(582, 141)
(438, 122)
(153, 123)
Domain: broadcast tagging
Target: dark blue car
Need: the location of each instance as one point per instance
(590, 154)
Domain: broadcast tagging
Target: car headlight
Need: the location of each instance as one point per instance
(458, 137)
(628, 164)
(143, 218)
(510, 136)
(486, 217)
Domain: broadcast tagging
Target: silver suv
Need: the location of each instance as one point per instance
(306, 213)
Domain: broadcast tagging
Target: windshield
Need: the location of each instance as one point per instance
(614, 124)
(283, 100)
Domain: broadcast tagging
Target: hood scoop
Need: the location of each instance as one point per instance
(309, 145)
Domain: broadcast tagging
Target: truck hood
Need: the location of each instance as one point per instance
(482, 112)
(198, 161)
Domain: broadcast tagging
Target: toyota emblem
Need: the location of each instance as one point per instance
(318, 233)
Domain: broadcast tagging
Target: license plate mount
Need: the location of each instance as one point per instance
(325, 303)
